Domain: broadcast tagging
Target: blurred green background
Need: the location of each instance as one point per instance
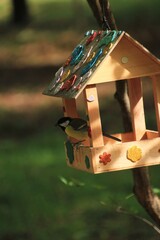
(40, 197)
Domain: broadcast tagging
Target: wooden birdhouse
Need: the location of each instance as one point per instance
(102, 57)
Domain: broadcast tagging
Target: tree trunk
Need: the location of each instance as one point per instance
(142, 187)
(20, 12)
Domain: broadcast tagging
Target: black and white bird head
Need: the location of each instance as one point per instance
(63, 122)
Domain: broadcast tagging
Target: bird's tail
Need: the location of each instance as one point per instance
(104, 134)
(112, 137)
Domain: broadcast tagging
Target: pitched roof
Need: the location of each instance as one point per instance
(102, 56)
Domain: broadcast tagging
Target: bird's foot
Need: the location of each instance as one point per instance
(77, 144)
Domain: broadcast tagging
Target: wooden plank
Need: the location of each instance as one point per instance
(136, 107)
(127, 137)
(152, 134)
(156, 94)
(118, 154)
(69, 107)
(88, 158)
(70, 110)
(92, 109)
(149, 155)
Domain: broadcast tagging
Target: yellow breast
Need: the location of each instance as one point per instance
(79, 135)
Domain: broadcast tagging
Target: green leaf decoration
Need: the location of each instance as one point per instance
(70, 152)
(87, 162)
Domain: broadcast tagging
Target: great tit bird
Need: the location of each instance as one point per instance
(77, 128)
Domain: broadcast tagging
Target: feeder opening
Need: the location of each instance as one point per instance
(149, 106)
(109, 109)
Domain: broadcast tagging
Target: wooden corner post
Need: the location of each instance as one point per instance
(156, 93)
(91, 99)
(137, 108)
(70, 107)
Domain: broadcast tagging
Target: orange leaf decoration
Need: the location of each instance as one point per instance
(105, 158)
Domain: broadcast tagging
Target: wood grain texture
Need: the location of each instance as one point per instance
(156, 94)
(70, 107)
(70, 110)
(92, 110)
(150, 149)
(136, 107)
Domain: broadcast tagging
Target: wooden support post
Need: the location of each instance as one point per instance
(91, 99)
(137, 108)
(156, 94)
(70, 108)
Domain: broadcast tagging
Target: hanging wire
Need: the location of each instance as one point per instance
(105, 24)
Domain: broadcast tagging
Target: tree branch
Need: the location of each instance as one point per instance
(96, 9)
(144, 193)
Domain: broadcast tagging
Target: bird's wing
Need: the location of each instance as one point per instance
(79, 124)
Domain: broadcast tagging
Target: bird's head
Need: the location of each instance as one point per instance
(63, 122)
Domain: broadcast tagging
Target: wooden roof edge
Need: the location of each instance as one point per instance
(109, 52)
(142, 48)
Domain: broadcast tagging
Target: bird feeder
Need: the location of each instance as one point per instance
(103, 57)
